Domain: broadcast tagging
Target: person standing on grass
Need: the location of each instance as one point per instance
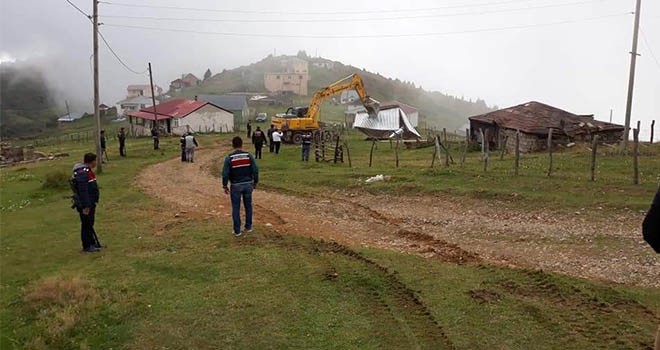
(271, 145)
(249, 129)
(241, 171)
(651, 233)
(258, 139)
(191, 143)
(121, 136)
(103, 152)
(86, 196)
(154, 136)
(306, 145)
(277, 140)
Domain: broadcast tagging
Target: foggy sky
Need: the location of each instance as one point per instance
(581, 67)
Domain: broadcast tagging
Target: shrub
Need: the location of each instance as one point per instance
(56, 180)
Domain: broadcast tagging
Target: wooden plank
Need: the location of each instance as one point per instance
(517, 163)
(594, 147)
(550, 151)
(636, 154)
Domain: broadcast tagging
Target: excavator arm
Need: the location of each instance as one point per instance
(352, 82)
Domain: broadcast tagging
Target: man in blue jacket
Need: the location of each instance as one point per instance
(86, 197)
(240, 169)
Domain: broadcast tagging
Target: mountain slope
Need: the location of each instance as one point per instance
(436, 108)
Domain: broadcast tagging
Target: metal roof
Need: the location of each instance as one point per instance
(536, 118)
(176, 108)
(71, 117)
(386, 122)
(137, 100)
(408, 109)
(230, 102)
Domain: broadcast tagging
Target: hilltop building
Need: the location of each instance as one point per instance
(293, 77)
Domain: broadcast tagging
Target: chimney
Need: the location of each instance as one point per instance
(195, 97)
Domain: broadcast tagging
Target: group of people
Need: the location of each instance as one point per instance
(121, 137)
(273, 139)
(188, 145)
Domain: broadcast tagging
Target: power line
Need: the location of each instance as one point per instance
(431, 34)
(119, 58)
(648, 47)
(106, 42)
(307, 20)
(79, 10)
(279, 12)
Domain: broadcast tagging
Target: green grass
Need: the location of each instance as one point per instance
(568, 188)
(180, 283)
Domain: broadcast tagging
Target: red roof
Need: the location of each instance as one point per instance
(536, 118)
(407, 109)
(176, 108)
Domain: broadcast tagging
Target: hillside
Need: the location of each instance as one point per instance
(26, 103)
(438, 109)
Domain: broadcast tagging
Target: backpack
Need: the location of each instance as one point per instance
(75, 202)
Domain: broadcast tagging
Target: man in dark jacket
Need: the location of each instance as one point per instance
(103, 152)
(121, 136)
(306, 145)
(651, 232)
(271, 145)
(154, 136)
(87, 196)
(182, 141)
(651, 224)
(249, 129)
(258, 139)
(240, 169)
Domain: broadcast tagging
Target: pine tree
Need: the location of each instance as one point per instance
(208, 74)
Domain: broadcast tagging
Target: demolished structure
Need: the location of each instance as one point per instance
(389, 120)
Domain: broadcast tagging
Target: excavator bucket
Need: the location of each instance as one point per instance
(372, 107)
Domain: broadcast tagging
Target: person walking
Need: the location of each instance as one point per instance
(103, 151)
(306, 145)
(277, 140)
(182, 141)
(241, 171)
(191, 144)
(249, 129)
(154, 136)
(651, 234)
(258, 139)
(86, 196)
(121, 136)
(271, 145)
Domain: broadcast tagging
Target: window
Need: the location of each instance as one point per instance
(278, 77)
(300, 76)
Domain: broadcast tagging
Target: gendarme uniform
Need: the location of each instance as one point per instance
(87, 196)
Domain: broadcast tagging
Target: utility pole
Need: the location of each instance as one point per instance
(97, 114)
(68, 112)
(611, 115)
(153, 96)
(631, 82)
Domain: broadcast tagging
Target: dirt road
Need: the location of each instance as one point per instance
(449, 229)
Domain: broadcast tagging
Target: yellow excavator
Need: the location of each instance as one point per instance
(298, 120)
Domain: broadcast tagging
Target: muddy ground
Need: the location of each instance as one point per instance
(452, 229)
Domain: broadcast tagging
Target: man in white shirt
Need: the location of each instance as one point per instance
(190, 143)
(277, 140)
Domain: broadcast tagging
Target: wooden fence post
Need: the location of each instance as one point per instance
(467, 144)
(371, 154)
(336, 150)
(517, 151)
(652, 127)
(484, 148)
(348, 154)
(396, 152)
(550, 151)
(506, 138)
(594, 147)
(636, 155)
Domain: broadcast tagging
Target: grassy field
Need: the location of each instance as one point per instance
(181, 284)
(569, 187)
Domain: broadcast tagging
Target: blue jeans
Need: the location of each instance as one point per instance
(244, 191)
